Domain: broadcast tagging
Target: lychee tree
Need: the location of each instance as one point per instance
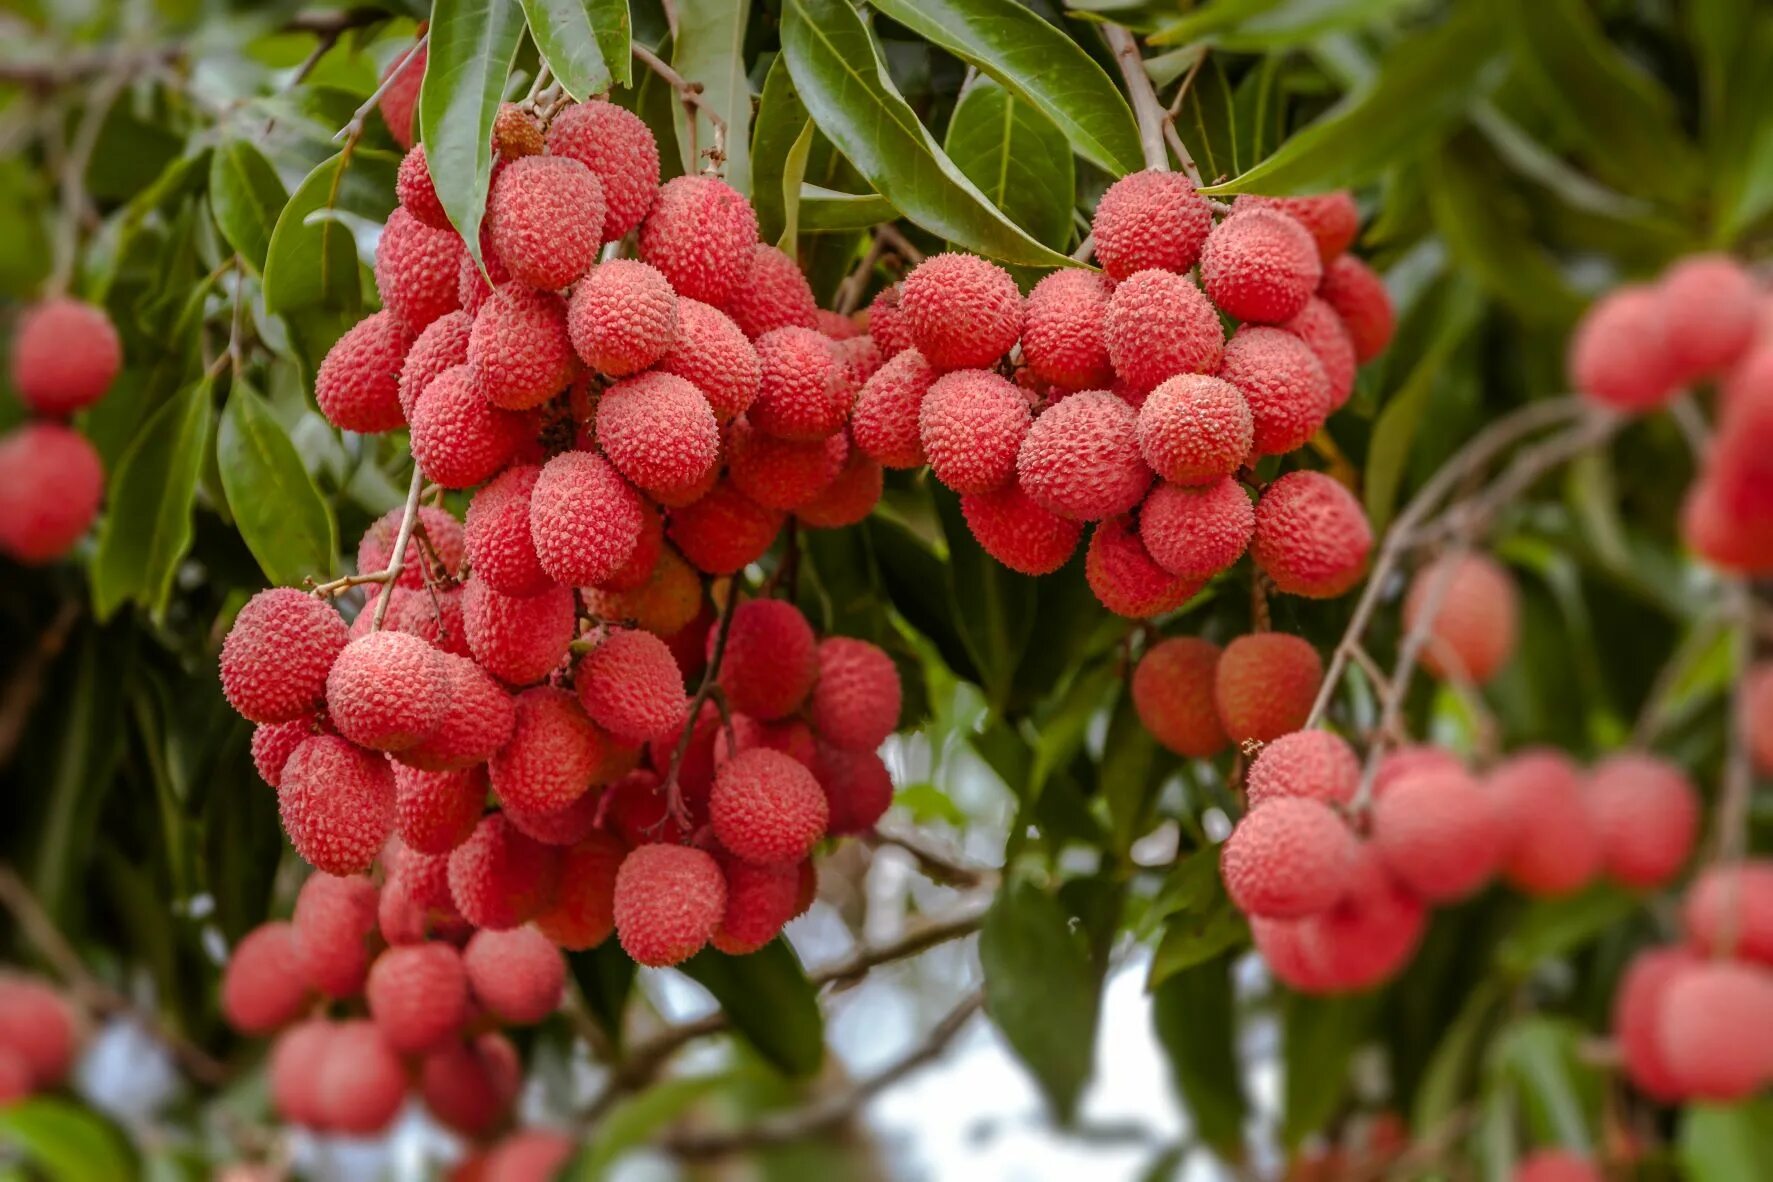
(509, 506)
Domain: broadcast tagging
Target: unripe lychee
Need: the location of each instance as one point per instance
(850, 497)
(1709, 304)
(774, 293)
(400, 94)
(658, 431)
(622, 317)
(583, 517)
(616, 145)
(1194, 533)
(1313, 763)
(1332, 219)
(362, 1083)
(1173, 693)
(520, 349)
(1158, 325)
(337, 804)
(273, 742)
(496, 535)
(552, 754)
(418, 996)
(357, 386)
(1081, 458)
(544, 216)
(517, 975)
(1062, 338)
(1150, 220)
(1637, 1019)
(1319, 327)
(263, 988)
(334, 921)
(884, 420)
(630, 686)
(1260, 266)
(699, 234)
(1126, 578)
(760, 900)
(1360, 298)
(278, 653)
(469, 1086)
(1550, 846)
(458, 438)
(767, 807)
(477, 719)
(386, 691)
(1729, 910)
(54, 482)
(1474, 631)
(855, 701)
(1438, 833)
(583, 914)
(886, 324)
(710, 353)
(972, 423)
(1312, 536)
(416, 192)
(771, 659)
(803, 393)
(669, 902)
(1716, 1030)
(1292, 857)
(962, 311)
(725, 531)
(858, 788)
(1195, 429)
(416, 271)
(1265, 685)
(1284, 384)
(434, 812)
(1022, 535)
(499, 878)
(65, 355)
(1647, 815)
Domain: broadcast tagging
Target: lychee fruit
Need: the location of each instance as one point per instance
(665, 605)
(272, 743)
(962, 311)
(669, 902)
(1024, 536)
(972, 423)
(520, 349)
(725, 531)
(886, 324)
(658, 431)
(1150, 220)
(1172, 692)
(334, 921)
(65, 355)
(1332, 219)
(434, 812)
(774, 293)
(616, 145)
(1556, 1165)
(1638, 1006)
(361, 1081)
(1729, 910)
(1081, 458)
(1265, 685)
(496, 534)
(630, 686)
(1314, 763)
(337, 803)
(517, 974)
(1647, 815)
(418, 996)
(1282, 381)
(518, 639)
(1320, 328)
(699, 234)
(1312, 537)
(803, 393)
(858, 788)
(458, 438)
(884, 420)
(1360, 298)
(263, 989)
(1260, 266)
(574, 823)
(357, 386)
(1709, 305)
(544, 216)
(417, 194)
(1062, 339)
(386, 691)
(710, 353)
(50, 498)
(760, 900)
(470, 1086)
(433, 552)
(1473, 633)
(1195, 429)
(276, 656)
(477, 719)
(1126, 578)
(552, 754)
(1438, 833)
(400, 94)
(771, 659)
(1289, 858)
(1410, 760)
(850, 497)
(1620, 354)
(1550, 846)
(1196, 532)
(416, 271)
(856, 699)
(583, 914)
(499, 878)
(1158, 325)
(1715, 1030)
(583, 517)
(767, 807)
(622, 317)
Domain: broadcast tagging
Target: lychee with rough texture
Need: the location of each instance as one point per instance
(477, 719)
(1081, 458)
(1062, 338)
(713, 355)
(458, 438)
(856, 699)
(1360, 298)
(433, 551)
(1556, 1165)
(1312, 537)
(1314, 764)
(771, 659)
(386, 691)
(1024, 536)
(664, 605)
(1172, 692)
(1196, 532)
(357, 386)
(616, 145)
(544, 216)
(1332, 219)
(273, 742)
(334, 921)
(1282, 381)
(1158, 325)
(1474, 630)
(400, 94)
(1150, 220)
(552, 754)
(760, 900)
(583, 517)
(496, 535)
(699, 234)
(517, 975)
(1265, 685)
(1620, 354)
(725, 531)
(563, 827)
(499, 878)
(803, 393)
(416, 192)
(858, 788)
(669, 902)
(520, 349)
(972, 423)
(470, 1086)
(276, 656)
(1195, 429)
(583, 913)
(443, 345)
(361, 1081)
(65, 355)
(434, 812)
(337, 804)
(418, 996)
(1410, 760)
(263, 988)
(416, 271)
(767, 807)
(884, 420)
(850, 497)
(1647, 815)
(962, 311)
(622, 317)
(658, 431)
(1290, 858)
(1438, 833)
(1709, 303)
(630, 686)
(774, 293)
(1260, 266)
(1550, 846)
(887, 327)
(1320, 328)
(1126, 578)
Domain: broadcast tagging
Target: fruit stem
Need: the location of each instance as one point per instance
(1146, 109)
(690, 95)
(352, 131)
(397, 563)
(674, 806)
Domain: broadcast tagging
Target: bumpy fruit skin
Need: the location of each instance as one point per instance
(65, 355)
(434, 812)
(1320, 328)
(496, 535)
(631, 687)
(665, 604)
(1556, 1165)
(647, 550)
(458, 438)
(712, 354)
(520, 349)
(1062, 332)
(1620, 354)
(1125, 577)
(416, 192)
(1716, 1030)
(1550, 845)
(433, 617)
(418, 996)
(565, 827)
(884, 420)
(1709, 302)
(552, 754)
(724, 531)
(362, 1082)
(263, 988)
(499, 878)
(1647, 814)
(616, 145)
(1024, 536)
(1194, 533)
(803, 393)
(1265, 684)
(1729, 909)
(434, 551)
(1158, 325)
(357, 386)
(1637, 1017)
(658, 431)
(766, 807)
(386, 691)
(1312, 536)
(1474, 633)
(470, 1086)
(849, 497)
(1260, 266)
(1284, 384)
(773, 294)
(1332, 219)
(699, 234)
(1150, 220)
(545, 217)
(583, 914)
(1365, 939)
(416, 270)
(443, 345)
(1360, 298)
(771, 659)
(472, 287)
(1195, 429)
(337, 804)
(583, 518)
(858, 789)
(972, 423)
(760, 900)
(1081, 458)
(477, 719)
(886, 324)
(856, 699)
(1173, 694)
(517, 975)
(54, 482)
(1314, 764)
(962, 311)
(400, 100)
(334, 919)
(622, 317)
(669, 902)
(277, 654)
(1438, 833)
(1287, 859)
(273, 742)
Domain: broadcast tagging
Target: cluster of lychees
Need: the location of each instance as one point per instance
(65, 355)
(1129, 406)
(38, 1037)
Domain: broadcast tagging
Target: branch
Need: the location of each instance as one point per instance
(397, 563)
(73, 177)
(352, 131)
(69, 67)
(903, 246)
(849, 296)
(1146, 109)
(940, 867)
(690, 95)
(675, 809)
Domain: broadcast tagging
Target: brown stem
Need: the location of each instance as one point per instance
(937, 865)
(690, 95)
(849, 296)
(73, 177)
(903, 246)
(397, 563)
(352, 131)
(1146, 109)
(675, 808)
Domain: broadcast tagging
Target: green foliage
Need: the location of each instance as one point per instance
(472, 45)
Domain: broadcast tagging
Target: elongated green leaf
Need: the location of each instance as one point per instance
(792, 172)
(833, 62)
(1259, 26)
(611, 22)
(148, 527)
(65, 1141)
(1444, 1085)
(1037, 62)
(1560, 1097)
(1555, 927)
(710, 49)
(281, 516)
(635, 1122)
(781, 118)
(1428, 82)
(1017, 158)
(1728, 1144)
(1041, 991)
(770, 1002)
(1321, 1035)
(824, 209)
(1129, 775)
(1197, 1027)
(1199, 920)
(311, 259)
(246, 196)
(567, 40)
(472, 45)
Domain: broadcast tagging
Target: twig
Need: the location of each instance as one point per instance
(1260, 620)
(397, 563)
(939, 866)
(690, 95)
(1381, 683)
(26, 683)
(1526, 468)
(1658, 702)
(849, 296)
(68, 67)
(352, 131)
(1174, 139)
(901, 245)
(675, 808)
(1146, 109)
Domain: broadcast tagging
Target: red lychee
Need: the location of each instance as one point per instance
(767, 807)
(622, 317)
(856, 699)
(1729, 910)
(1158, 325)
(1265, 685)
(434, 812)
(803, 393)
(1062, 338)
(1081, 458)
(1647, 815)
(699, 234)
(476, 720)
(1173, 693)
(469, 1086)
(416, 271)
(583, 914)
(858, 788)
(1550, 846)
(1312, 537)
(631, 686)
(1022, 535)
(583, 517)
(1474, 630)
(1637, 1018)
(963, 312)
(272, 743)
(1260, 266)
(520, 349)
(1194, 533)
(773, 294)
(616, 145)
(1360, 298)
(458, 438)
(1438, 833)
(334, 921)
(337, 803)
(496, 535)
(1284, 384)
(544, 216)
(499, 878)
(418, 996)
(65, 355)
(263, 988)
(884, 420)
(357, 386)
(278, 653)
(886, 324)
(1289, 858)
(669, 902)
(1709, 303)
(386, 691)
(517, 975)
(1314, 763)
(400, 96)
(552, 754)
(416, 192)
(1126, 578)
(1150, 220)
(1320, 328)
(710, 353)
(1195, 429)
(1715, 1030)
(972, 423)
(361, 1082)
(54, 482)
(659, 432)
(850, 497)
(771, 659)
(725, 531)
(1332, 219)
(759, 901)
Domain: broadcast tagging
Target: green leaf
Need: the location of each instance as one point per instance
(781, 119)
(65, 1141)
(567, 40)
(281, 516)
(824, 209)
(605, 976)
(246, 197)
(472, 46)
(1428, 82)
(833, 62)
(635, 1122)
(1728, 1144)
(1037, 62)
(1555, 927)
(1129, 776)
(1257, 26)
(1559, 1096)
(1196, 1025)
(710, 49)
(793, 169)
(611, 23)
(311, 259)
(1445, 1083)
(1200, 922)
(1041, 991)
(1321, 1035)
(1017, 158)
(148, 526)
(770, 1001)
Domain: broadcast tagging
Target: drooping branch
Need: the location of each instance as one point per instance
(942, 867)
(694, 102)
(352, 131)
(397, 563)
